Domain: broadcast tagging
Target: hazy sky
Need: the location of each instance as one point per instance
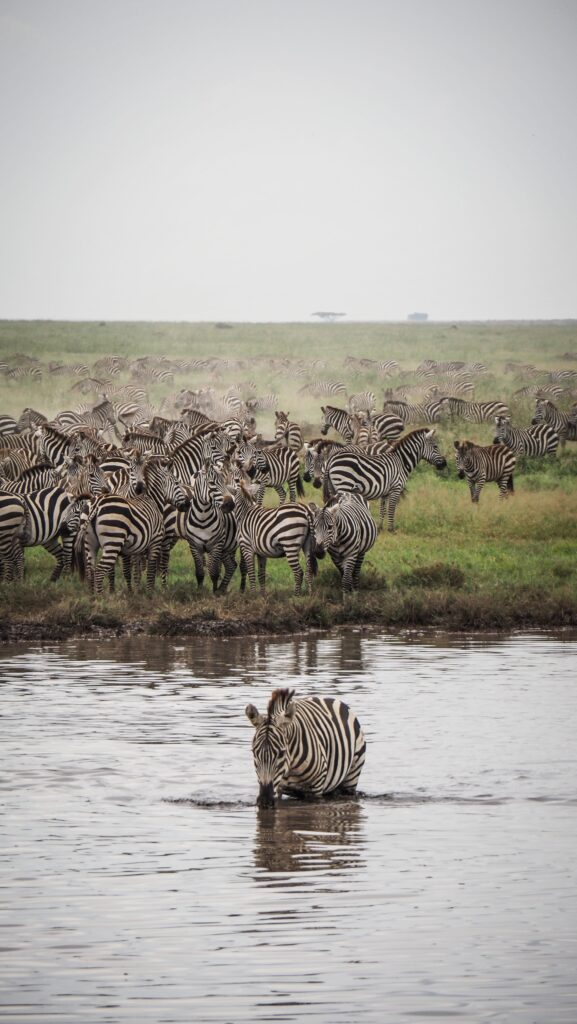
(265, 159)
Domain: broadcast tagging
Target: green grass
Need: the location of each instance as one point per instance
(450, 564)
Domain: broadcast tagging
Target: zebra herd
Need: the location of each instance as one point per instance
(102, 484)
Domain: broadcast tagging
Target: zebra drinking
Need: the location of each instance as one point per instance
(305, 746)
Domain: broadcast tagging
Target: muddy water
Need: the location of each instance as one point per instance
(140, 883)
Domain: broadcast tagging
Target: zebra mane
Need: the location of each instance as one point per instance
(278, 703)
(399, 441)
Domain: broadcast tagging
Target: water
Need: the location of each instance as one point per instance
(140, 882)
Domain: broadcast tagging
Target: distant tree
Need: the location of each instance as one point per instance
(418, 316)
(328, 315)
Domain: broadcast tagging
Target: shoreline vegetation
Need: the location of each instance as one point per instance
(503, 565)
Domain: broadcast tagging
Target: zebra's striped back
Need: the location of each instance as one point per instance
(474, 412)
(536, 440)
(305, 745)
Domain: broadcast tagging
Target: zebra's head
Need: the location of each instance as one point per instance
(326, 421)
(462, 456)
(501, 423)
(270, 745)
(210, 486)
(325, 525)
(541, 410)
(431, 452)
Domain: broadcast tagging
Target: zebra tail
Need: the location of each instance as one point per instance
(78, 554)
(300, 488)
(510, 484)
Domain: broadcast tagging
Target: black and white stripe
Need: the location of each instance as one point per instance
(287, 431)
(481, 464)
(305, 746)
(539, 439)
(561, 422)
(382, 476)
(12, 524)
(273, 466)
(474, 412)
(346, 529)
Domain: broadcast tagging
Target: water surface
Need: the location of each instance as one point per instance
(140, 882)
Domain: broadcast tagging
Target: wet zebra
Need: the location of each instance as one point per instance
(131, 526)
(536, 440)
(287, 431)
(346, 529)
(272, 466)
(561, 422)
(12, 523)
(382, 476)
(429, 412)
(482, 464)
(305, 746)
(280, 532)
(474, 412)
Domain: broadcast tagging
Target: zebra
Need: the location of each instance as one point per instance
(306, 746)
(53, 445)
(332, 388)
(52, 521)
(34, 478)
(383, 475)
(339, 419)
(8, 425)
(30, 418)
(536, 440)
(482, 464)
(562, 423)
(12, 524)
(131, 526)
(539, 391)
(287, 431)
(346, 529)
(207, 529)
(386, 425)
(429, 412)
(474, 412)
(18, 460)
(273, 533)
(101, 417)
(272, 467)
(364, 401)
(190, 455)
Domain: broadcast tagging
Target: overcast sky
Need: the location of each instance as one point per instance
(265, 159)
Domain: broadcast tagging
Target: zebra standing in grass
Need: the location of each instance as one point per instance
(131, 526)
(331, 388)
(305, 746)
(272, 467)
(561, 422)
(482, 464)
(52, 522)
(385, 475)
(429, 412)
(346, 529)
(339, 419)
(12, 524)
(287, 431)
(536, 440)
(206, 527)
(280, 532)
(474, 412)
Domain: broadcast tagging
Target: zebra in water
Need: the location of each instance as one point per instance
(385, 475)
(346, 529)
(280, 532)
(474, 412)
(561, 422)
(536, 440)
(12, 524)
(287, 431)
(272, 467)
(482, 464)
(131, 525)
(305, 746)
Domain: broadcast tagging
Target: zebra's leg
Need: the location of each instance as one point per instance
(229, 562)
(261, 559)
(349, 784)
(154, 555)
(292, 486)
(248, 555)
(260, 494)
(198, 559)
(127, 571)
(358, 564)
(292, 557)
(107, 565)
(243, 572)
(214, 559)
(347, 577)
(54, 547)
(393, 501)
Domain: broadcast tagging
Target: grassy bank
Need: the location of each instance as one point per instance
(450, 565)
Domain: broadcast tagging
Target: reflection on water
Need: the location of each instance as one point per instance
(298, 836)
(140, 882)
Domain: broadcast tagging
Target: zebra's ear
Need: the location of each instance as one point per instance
(288, 713)
(253, 715)
(455, 444)
(431, 434)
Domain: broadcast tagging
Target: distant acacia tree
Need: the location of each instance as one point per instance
(420, 317)
(328, 315)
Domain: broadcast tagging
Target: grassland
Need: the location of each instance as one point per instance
(451, 565)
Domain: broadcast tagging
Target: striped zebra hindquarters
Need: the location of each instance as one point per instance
(12, 524)
(308, 746)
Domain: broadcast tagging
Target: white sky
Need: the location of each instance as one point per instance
(264, 159)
